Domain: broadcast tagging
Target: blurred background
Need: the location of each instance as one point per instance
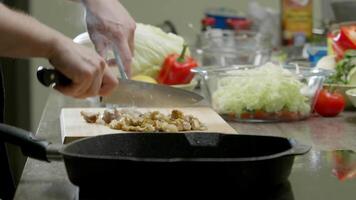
(26, 98)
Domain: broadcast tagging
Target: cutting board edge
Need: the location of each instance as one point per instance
(62, 125)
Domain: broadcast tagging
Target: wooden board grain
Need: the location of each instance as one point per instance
(73, 126)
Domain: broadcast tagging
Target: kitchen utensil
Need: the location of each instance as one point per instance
(119, 64)
(74, 127)
(48, 77)
(174, 161)
(233, 105)
(130, 92)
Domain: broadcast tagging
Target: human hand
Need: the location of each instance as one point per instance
(88, 71)
(108, 24)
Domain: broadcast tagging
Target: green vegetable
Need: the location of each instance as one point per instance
(269, 88)
(351, 77)
(343, 68)
(152, 46)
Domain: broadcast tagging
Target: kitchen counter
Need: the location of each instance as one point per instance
(324, 173)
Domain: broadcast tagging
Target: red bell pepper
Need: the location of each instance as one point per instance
(343, 40)
(176, 68)
(348, 36)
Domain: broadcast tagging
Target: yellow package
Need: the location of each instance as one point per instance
(297, 21)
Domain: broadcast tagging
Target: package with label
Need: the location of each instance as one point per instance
(297, 21)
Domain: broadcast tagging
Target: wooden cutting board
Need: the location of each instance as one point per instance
(73, 126)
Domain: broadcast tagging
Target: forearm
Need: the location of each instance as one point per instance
(22, 36)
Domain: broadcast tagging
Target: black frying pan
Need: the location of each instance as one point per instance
(164, 159)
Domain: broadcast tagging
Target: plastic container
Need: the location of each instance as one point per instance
(238, 93)
(315, 53)
(222, 15)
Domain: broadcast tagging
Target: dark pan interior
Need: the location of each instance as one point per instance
(177, 145)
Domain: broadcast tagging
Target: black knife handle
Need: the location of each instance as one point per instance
(49, 77)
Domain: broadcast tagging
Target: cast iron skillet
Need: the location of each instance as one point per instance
(165, 159)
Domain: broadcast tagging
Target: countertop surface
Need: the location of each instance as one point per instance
(326, 172)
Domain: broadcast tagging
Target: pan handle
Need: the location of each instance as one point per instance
(298, 148)
(49, 77)
(30, 145)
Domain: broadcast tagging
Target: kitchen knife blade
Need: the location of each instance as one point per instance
(132, 93)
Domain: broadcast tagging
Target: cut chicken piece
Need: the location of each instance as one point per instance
(132, 120)
(177, 114)
(90, 117)
(109, 115)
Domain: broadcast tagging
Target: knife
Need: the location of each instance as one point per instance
(51, 77)
(118, 61)
(130, 92)
(136, 93)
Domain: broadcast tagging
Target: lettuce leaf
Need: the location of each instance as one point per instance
(152, 46)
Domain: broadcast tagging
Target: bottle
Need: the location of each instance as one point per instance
(297, 21)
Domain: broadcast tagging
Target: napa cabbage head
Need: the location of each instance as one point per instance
(152, 45)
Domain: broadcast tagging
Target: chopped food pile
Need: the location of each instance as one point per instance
(267, 92)
(133, 120)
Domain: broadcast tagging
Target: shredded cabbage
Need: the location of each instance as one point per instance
(269, 88)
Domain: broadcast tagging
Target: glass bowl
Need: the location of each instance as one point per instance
(351, 94)
(224, 48)
(189, 86)
(268, 93)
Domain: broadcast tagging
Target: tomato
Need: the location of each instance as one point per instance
(329, 104)
(344, 165)
(260, 114)
(246, 115)
(289, 116)
(231, 116)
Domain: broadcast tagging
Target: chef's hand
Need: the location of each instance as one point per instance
(108, 23)
(88, 71)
